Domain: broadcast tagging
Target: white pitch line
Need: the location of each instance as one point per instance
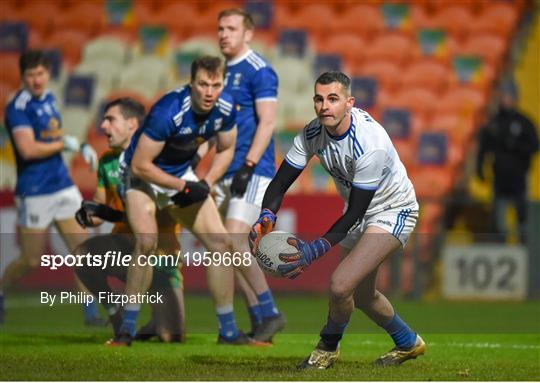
(454, 344)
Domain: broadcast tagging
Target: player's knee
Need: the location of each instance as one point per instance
(340, 290)
(147, 243)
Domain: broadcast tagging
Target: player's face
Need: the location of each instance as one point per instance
(36, 80)
(233, 36)
(205, 90)
(332, 105)
(117, 128)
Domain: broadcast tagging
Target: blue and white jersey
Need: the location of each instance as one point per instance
(249, 79)
(45, 175)
(173, 121)
(363, 157)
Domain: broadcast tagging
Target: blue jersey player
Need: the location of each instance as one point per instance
(159, 176)
(253, 84)
(44, 193)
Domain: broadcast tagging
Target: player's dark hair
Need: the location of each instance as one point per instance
(129, 108)
(248, 22)
(335, 76)
(211, 64)
(32, 59)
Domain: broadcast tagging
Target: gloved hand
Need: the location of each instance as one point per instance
(91, 209)
(90, 156)
(264, 225)
(307, 253)
(241, 179)
(193, 192)
(71, 143)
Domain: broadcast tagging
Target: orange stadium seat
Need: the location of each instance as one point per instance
(390, 46)
(9, 70)
(87, 17)
(9, 12)
(428, 73)
(40, 15)
(70, 42)
(417, 99)
(488, 46)
(431, 182)
(499, 18)
(282, 15)
(349, 46)
(459, 128)
(463, 100)
(178, 17)
(386, 72)
(361, 18)
(315, 18)
(456, 19)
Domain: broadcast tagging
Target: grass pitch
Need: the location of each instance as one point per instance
(466, 341)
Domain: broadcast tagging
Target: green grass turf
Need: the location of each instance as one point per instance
(466, 341)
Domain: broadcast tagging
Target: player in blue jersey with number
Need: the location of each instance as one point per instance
(254, 84)
(44, 193)
(159, 176)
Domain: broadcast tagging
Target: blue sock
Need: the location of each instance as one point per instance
(227, 323)
(1, 302)
(267, 305)
(255, 315)
(129, 324)
(90, 310)
(332, 332)
(402, 335)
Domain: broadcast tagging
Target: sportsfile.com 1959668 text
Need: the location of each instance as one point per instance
(118, 259)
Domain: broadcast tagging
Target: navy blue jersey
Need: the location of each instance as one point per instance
(173, 121)
(249, 79)
(44, 175)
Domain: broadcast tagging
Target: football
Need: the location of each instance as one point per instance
(270, 246)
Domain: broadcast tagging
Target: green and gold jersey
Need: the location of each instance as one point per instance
(109, 179)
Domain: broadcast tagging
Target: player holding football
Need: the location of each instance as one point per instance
(380, 214)
(44, 193)
(122, 118)
(253, 84)
(160, 175)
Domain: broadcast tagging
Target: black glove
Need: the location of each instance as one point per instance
(193, 192)
(241, 179)
(195, 161)
(91, 209)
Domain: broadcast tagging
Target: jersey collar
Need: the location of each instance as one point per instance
(341, 137)
(239, 59)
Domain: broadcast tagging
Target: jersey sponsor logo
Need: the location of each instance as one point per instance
(349, 165)
(218, 123)
(237, 79)
(53, 130)
(185, 130)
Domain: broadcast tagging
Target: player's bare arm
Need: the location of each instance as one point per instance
(31, 149)
(144, 168)
(266, 113)
(224, 155)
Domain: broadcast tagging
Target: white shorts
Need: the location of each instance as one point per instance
(399, 222)
(247, 208)
(160, 195)
(38, 212)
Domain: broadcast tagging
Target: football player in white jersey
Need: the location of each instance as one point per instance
(380, 213)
